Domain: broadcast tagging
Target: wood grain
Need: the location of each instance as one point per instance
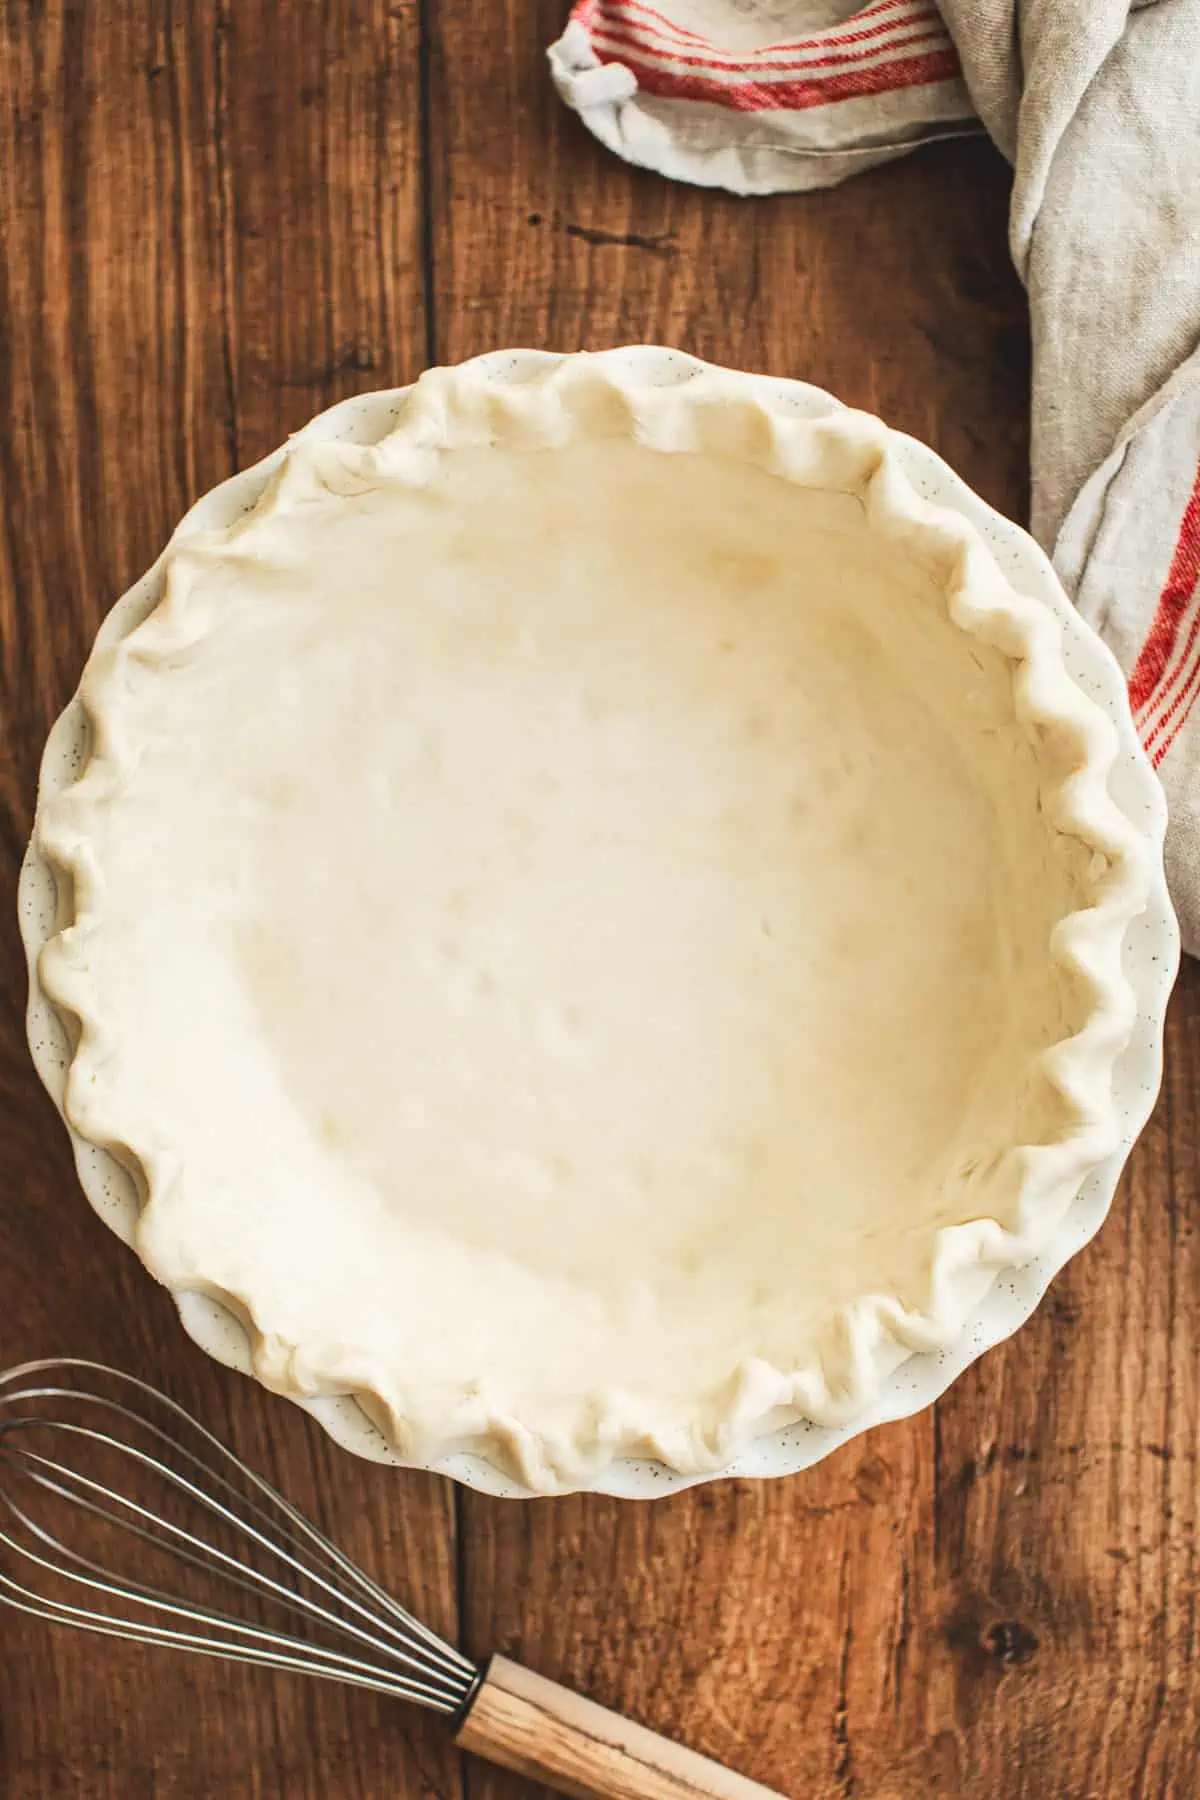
(214, 219)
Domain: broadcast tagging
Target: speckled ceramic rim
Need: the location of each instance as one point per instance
(1151, 957)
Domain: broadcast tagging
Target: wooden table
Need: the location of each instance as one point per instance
(215, 219)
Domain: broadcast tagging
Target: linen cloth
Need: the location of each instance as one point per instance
(1096, 103)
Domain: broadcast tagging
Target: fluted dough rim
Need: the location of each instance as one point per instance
(720, 411)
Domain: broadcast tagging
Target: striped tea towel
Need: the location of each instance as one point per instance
(1097, 105)
(758, 97)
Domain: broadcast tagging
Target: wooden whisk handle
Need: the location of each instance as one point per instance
(524, 1722)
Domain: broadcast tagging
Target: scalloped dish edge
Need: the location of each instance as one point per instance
(843, 451)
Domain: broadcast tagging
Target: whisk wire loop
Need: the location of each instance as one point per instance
(25, 1600)
(142, 1593)
(228, 1567)
(382, 1646)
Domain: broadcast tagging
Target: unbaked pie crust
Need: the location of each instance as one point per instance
(596, 920)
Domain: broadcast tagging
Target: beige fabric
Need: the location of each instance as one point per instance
(1098, 106)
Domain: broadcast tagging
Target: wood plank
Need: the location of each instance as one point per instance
(211, 229)
(1068, 1497)
(999, 1596)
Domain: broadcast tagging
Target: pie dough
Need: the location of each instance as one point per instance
(595, 921)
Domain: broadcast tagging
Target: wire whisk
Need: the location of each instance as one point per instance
(106, 1482)
(367, 1639)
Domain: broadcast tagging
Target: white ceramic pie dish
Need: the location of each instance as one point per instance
(1149, 946)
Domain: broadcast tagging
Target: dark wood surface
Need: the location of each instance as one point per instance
(215, 219)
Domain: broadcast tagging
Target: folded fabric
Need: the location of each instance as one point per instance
(760, 97)
(1097, 105)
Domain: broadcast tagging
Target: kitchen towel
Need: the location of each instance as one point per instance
(1096, 103)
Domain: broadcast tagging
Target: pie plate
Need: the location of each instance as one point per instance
(1150, 950)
